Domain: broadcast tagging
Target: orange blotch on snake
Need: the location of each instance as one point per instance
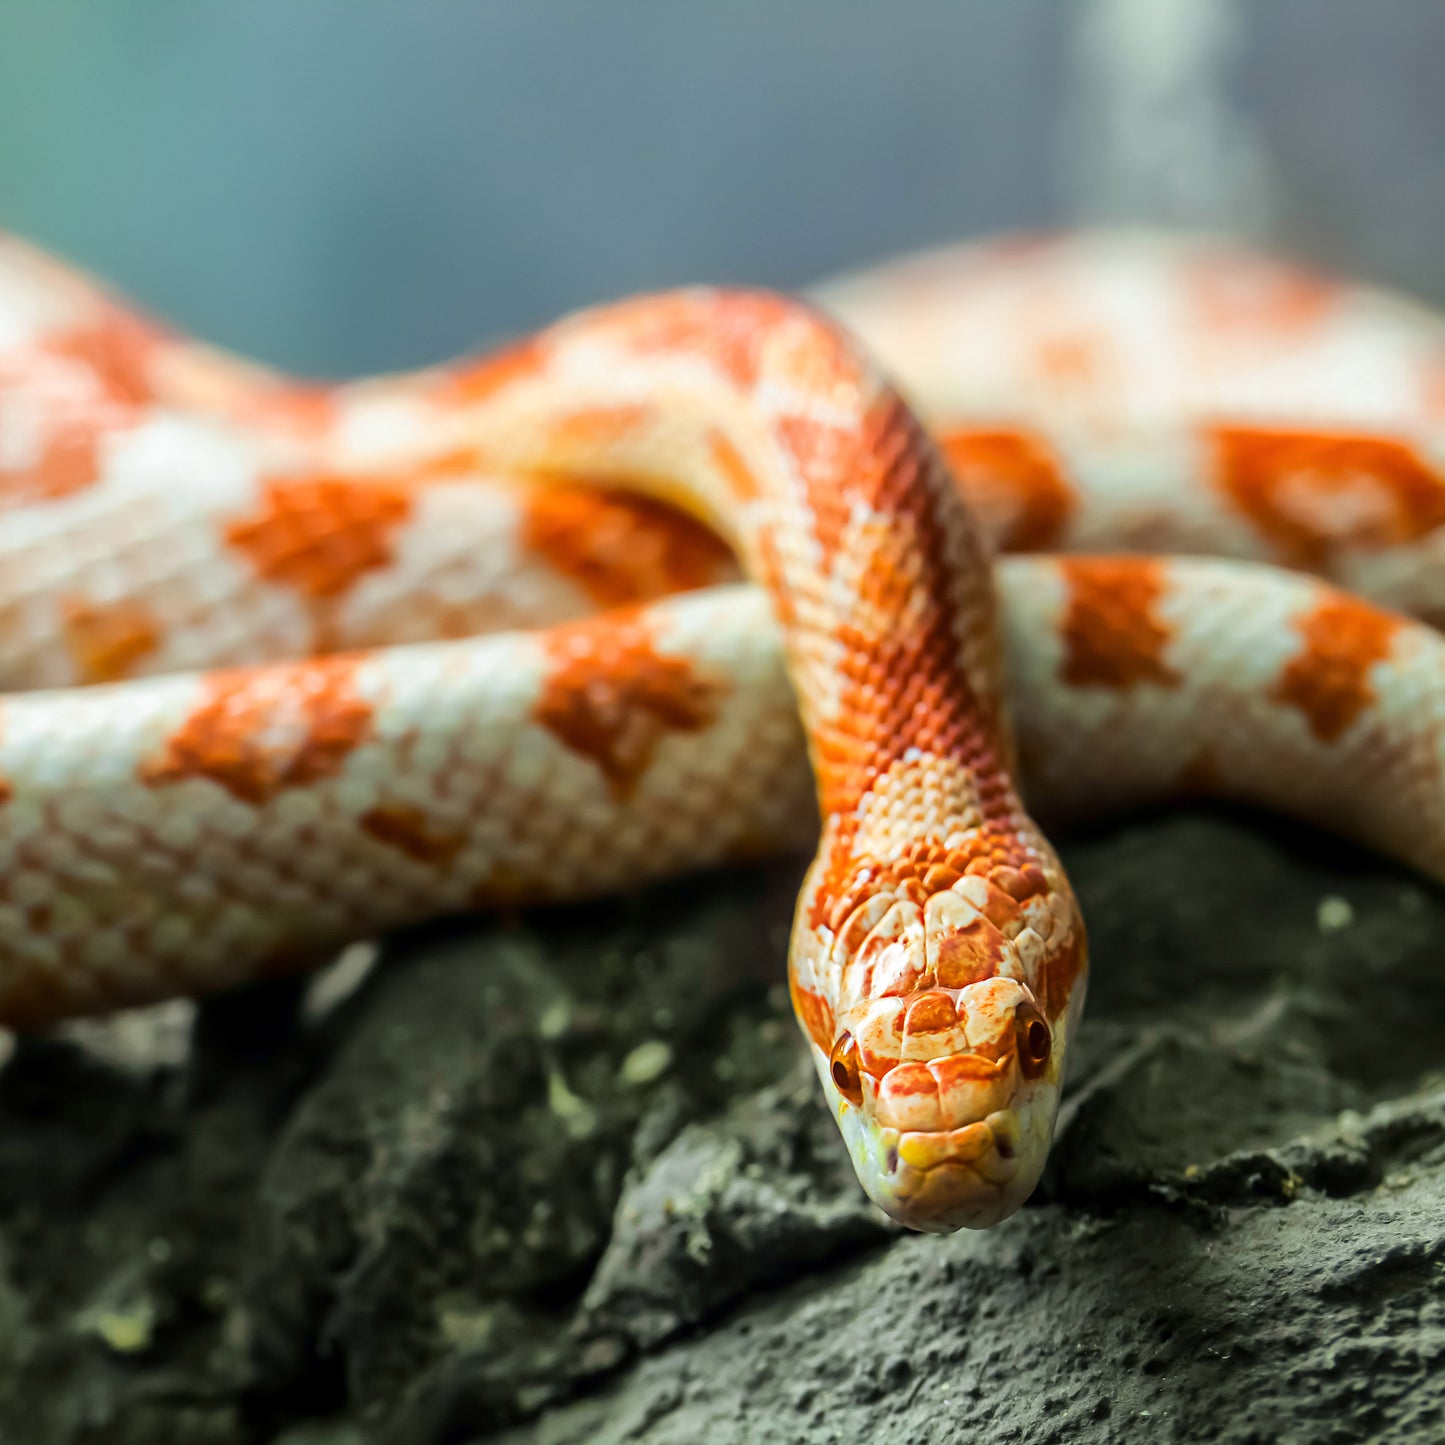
(1329, 680)
(880, 1038)
(850, 881)
(1071, 358)
(970, 954)
(969, 1068)
(1061, 971)
(769, 573)
(729, 330)
(930, 1013)
(260, 731)
(1017, 883)
(1310, 493)
(599, 425)
(621, 549)
(988, 849)
(106, 639)
(610, 696)
(67, 462)
(1112, 633)
(410, 831)
(938, 878)
(904, 687)
(74, 387)
(1000, 908)
(1014, 483)
(826, 455)
(809, 357)
(301, 409)
(117, 349)
(910, 1080)
(729, 461)
(815, 1014)
(318, 535)
(470, 382)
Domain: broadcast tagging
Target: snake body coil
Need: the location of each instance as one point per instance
(173, 522)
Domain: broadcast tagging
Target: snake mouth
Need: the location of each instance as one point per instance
(968, 1176)
(946, 1179)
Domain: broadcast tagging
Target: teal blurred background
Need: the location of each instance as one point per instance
(348, 185)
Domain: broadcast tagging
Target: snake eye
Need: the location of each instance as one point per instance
(1033, 1040)
(847, 1073)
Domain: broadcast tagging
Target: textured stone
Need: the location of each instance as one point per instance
(445, 1207)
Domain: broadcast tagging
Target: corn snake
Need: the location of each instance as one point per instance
(165, 508)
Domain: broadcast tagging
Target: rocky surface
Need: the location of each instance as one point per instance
(565, 1179)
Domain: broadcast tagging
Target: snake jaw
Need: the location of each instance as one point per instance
(939, 1181)
(958, 1140)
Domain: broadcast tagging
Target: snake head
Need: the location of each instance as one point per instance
(945, 1085)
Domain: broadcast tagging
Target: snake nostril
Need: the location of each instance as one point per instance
(1004, 1146)
(892, 1162)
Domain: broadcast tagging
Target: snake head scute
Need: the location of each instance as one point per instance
(946, 1096)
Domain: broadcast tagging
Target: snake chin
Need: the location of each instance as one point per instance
(968, 1182)
(940, 1181)
(976, 1183)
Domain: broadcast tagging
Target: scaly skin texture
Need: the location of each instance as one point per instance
(164, 507)
(226, 823)
(1127, 392)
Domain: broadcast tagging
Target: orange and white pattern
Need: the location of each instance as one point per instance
(250, 717)
(1108, 392)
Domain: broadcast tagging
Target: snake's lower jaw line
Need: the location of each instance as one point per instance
(968, 1182)
(940, 1181)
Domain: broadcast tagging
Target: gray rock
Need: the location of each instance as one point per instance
(566, 1179)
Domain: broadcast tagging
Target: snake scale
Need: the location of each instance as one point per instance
(287, 664)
